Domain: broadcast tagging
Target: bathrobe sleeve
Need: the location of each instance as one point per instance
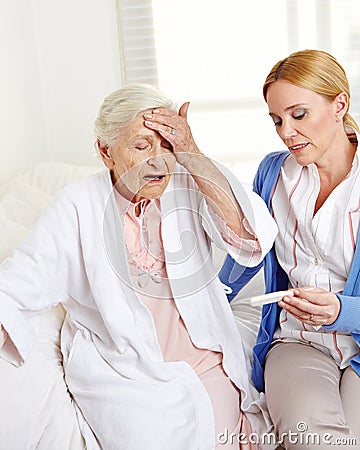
(37, 275)
(257, 218)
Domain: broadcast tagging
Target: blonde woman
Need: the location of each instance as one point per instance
(307, 355)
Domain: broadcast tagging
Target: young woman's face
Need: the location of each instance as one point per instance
(307, 123)
(141, 162)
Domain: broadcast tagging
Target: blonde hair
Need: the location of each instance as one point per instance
(315, 70)
(121, 106)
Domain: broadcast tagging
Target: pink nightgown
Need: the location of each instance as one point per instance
(142, 228)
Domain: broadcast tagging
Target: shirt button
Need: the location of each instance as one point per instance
(316, 261)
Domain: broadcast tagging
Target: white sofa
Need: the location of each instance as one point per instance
(36, 409)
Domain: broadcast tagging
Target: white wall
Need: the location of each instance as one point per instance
(59, 60)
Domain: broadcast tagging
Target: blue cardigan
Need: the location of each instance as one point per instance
(235, 277)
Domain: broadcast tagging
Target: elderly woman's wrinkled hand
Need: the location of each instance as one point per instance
(175, 129)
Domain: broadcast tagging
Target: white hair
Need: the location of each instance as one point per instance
(121, 106)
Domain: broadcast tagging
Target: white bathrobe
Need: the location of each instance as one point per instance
(125, 394)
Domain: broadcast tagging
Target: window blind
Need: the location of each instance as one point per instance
(217, 54)
(136, 41)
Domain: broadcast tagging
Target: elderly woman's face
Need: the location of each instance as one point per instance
(141, 163)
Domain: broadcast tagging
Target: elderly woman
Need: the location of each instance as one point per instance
(152, 355)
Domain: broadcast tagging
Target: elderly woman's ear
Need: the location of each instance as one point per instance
(105, 154)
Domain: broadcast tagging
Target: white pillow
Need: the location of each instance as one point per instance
(20, 208)
(50, 177)
(28, 195)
